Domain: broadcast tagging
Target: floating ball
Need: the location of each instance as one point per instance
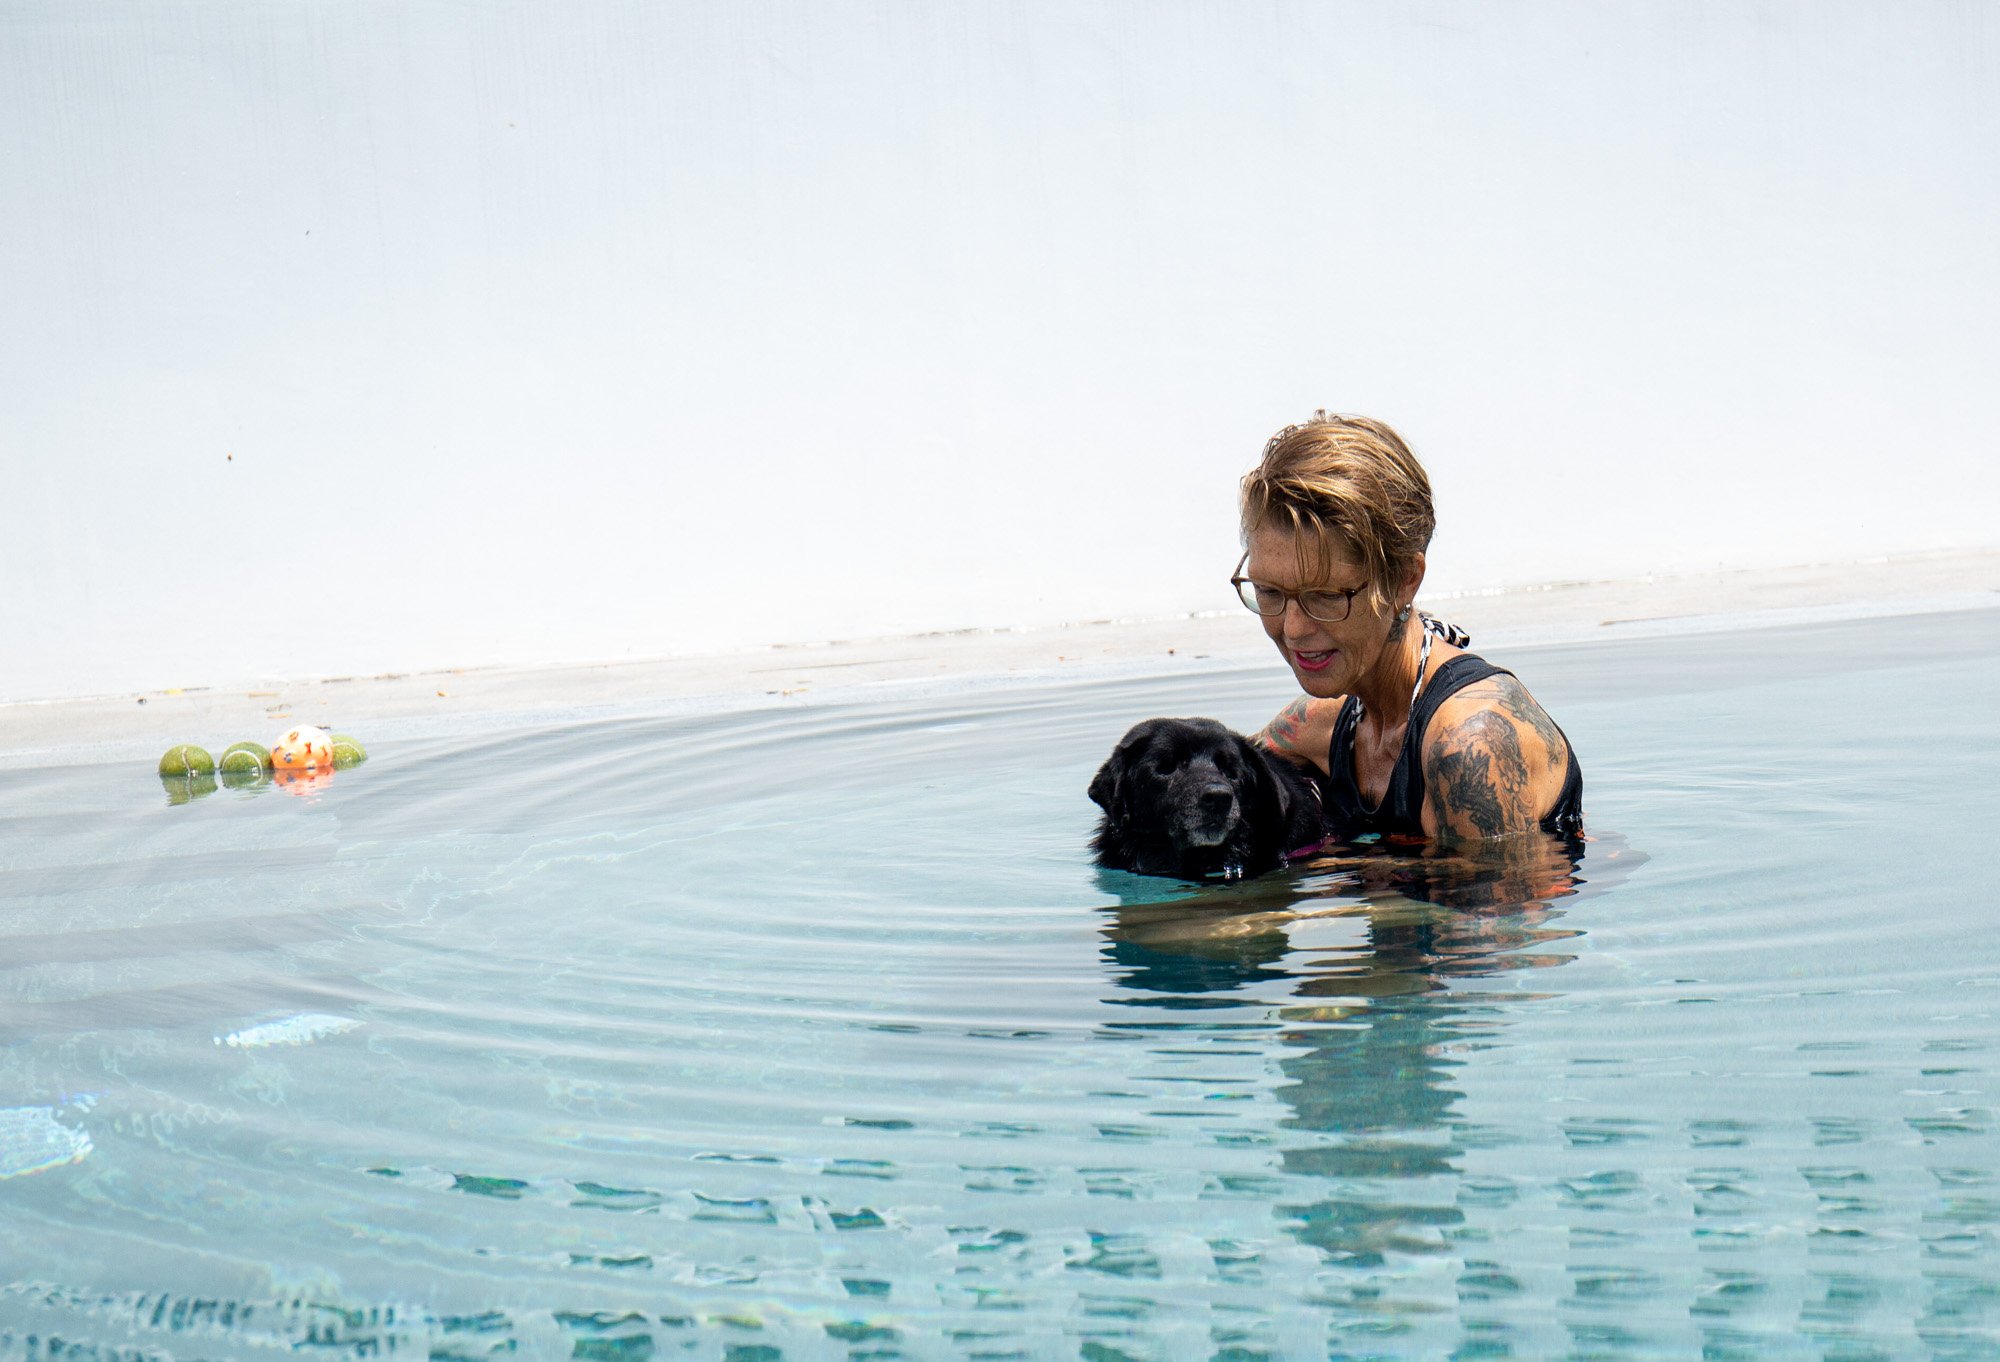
(347, 752)
(186, 760)
(243, 758)
(302, 749)
(243, 765)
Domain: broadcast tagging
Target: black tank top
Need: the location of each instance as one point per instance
(1401, 812)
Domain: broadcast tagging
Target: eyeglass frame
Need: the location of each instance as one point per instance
(1237, 579)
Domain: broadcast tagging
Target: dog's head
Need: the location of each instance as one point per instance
(1188, 797)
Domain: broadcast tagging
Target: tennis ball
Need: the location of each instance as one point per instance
(347, 752)
(244, 764)
(242, 757)
(303, 748)
(185, 759)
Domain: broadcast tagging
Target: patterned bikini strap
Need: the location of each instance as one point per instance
(1450, 633)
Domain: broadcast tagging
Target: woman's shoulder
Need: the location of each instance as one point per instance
(1499, 693)
(1494, 761)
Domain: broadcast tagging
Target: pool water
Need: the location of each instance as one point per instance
(811, 1032)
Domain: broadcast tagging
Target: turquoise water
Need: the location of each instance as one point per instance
(812, 1033)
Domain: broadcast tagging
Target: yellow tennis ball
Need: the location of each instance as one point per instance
(244, 757)
(185, 759)
(347, 752)
(244, 764)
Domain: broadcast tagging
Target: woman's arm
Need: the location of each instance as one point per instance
(1303, 730)
(1494, 763)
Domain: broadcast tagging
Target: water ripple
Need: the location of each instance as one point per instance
(813, 1031)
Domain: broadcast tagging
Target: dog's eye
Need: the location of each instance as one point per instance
(1166, 763)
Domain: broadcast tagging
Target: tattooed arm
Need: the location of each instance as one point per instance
(1302, 730)
(1493, 763)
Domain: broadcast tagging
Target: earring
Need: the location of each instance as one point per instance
(1403, 615)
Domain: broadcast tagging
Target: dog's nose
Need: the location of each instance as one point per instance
(1216, 799)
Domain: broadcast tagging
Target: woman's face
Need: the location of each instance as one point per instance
(1328, 659)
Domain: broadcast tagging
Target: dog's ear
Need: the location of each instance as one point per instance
(1270, 789)
(1104, 785)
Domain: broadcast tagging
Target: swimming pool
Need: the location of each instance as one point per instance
(811, 1033)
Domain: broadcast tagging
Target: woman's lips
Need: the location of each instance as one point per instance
(1313, 662)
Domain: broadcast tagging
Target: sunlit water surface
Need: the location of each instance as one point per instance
(810, 1032)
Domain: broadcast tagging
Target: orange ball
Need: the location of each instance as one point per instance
(303, 749)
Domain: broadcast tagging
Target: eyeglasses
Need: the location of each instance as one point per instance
(1328, 607)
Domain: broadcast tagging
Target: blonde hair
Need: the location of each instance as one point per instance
(1344, 487)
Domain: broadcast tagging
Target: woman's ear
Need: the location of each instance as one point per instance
(1413, 581)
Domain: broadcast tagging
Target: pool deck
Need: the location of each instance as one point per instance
(92, 729)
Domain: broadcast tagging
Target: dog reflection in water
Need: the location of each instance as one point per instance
(1190, 798)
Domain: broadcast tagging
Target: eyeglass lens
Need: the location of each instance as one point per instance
(1328, 607)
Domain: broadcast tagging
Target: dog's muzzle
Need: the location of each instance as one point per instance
(1207, 812)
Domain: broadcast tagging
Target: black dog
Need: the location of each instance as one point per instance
(1188, 797)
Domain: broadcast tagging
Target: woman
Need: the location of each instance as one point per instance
(1410, 734)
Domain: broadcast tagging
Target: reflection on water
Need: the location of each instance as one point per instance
(1378, 945)
(813, 1034)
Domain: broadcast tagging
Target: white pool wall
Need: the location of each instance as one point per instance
(354, 337)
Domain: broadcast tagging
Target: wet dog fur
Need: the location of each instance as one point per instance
(1190, 798)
